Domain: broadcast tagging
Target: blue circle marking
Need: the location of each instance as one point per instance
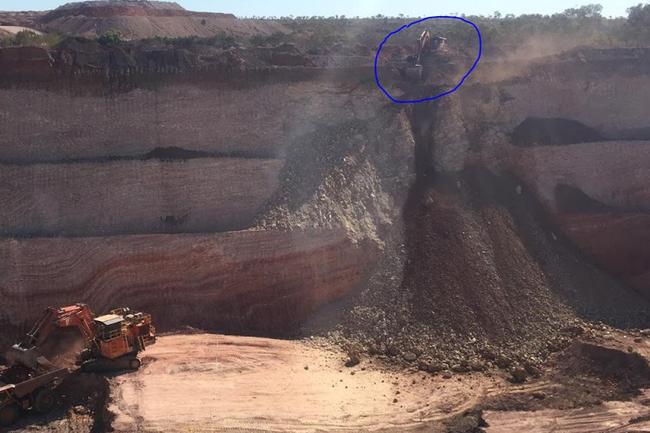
(406, 26)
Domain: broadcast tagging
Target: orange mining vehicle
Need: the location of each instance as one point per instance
(111, 341)
(29, 393)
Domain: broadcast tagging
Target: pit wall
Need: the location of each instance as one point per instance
(244, 282)
(122, 197)
(257, 121)
(607, 92)
(604, 89)
(149, 198)
(83, 172)
(601, 92)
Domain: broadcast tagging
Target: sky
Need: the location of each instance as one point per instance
(363, 7)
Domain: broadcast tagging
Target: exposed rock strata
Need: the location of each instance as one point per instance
(607, 95)
(616, 173)
(616, 241)
(609, 215)
(120, 197)
(262, 282)
(479, 253)
(262, 121)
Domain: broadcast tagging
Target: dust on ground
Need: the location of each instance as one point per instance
(245, 384)
(599, 382)
(215, 383)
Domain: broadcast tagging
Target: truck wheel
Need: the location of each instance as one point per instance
(134, 364)
(8, 414)
(43, 400)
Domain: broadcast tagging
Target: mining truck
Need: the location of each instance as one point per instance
(33, 391)
(111, 342)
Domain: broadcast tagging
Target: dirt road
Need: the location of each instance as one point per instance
(610, 417)
(220, 383)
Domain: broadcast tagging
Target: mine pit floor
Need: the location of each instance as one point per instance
(225, 383)
(214, 383)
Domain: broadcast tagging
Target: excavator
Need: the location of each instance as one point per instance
(428, 48)
(111, 342)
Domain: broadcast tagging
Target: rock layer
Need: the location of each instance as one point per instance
(120, 197)
(608, 217)
(607, 94)
(42, 126)
(478, 254)
(252, 281)
(616, 241)
(616, 173)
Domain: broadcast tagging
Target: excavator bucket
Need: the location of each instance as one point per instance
(413, 73)
(29, 358)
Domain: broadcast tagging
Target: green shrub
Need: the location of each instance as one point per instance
(220, 40)
(110, 37)
(638, 23)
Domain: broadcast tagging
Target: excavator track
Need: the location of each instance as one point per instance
(104, 365)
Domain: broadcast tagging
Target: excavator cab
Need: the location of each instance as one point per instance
(111, 337)
(108, 326)
(119, 337)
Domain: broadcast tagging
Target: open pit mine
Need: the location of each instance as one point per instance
(307, 255)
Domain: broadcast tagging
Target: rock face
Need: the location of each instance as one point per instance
(612, 97)
(616, 173)
(316, 168)
(252, 281)
(147, 198)
(26, 60)
(209, 117)
(616, 241)
(599, 195)
(134, 196)
(590, 156)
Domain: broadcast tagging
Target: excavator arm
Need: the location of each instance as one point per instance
(424, 45)
(26, 352)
